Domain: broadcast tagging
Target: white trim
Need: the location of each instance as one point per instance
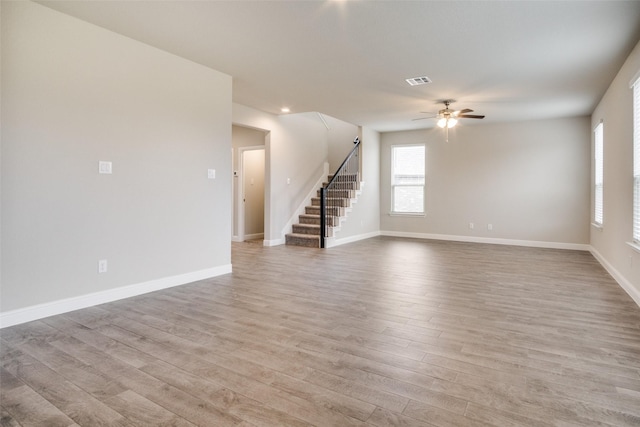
(489, 240)
(333, 242)
(633, 292)
(254, 236)
(634, 246)
(39, 311)
(409, 214)
(240, 218)
(273, 242)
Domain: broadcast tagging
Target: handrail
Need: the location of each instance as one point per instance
(342, 183)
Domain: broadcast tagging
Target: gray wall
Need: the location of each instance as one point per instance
(530, 180)
(74, 94)
(340, 138)
(610, 242)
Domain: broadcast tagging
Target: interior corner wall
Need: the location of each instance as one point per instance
(296, 152)
(340, 136)
(74, 94)
(609, 243)
(529, 180)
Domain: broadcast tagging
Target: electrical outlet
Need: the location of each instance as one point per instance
(471, 225)
(102, 266)
(105, 167)
(489, 227)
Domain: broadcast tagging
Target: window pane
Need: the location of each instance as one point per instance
(408, 160)
(636, 209)
(408, 199)
(636, 161)
(407, 178)
(599, 174)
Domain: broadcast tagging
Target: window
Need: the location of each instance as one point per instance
(407, 179)
(599, 178)
(636, 161)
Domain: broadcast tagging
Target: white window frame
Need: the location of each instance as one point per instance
(395, 185)
(636, 160)
(598, 184)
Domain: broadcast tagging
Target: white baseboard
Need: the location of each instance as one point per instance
(489, 240)
(633, 292)
(333, 242)
(273, 242)
(254, 236)
(35, 312)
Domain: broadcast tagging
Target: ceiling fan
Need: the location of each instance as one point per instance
(448, 118)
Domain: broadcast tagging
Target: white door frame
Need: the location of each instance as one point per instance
(240, 189)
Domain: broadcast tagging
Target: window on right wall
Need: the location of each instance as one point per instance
(636, 161)
(598, 196)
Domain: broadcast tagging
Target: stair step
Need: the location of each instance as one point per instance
(307, 231)
(350, 177)
(309, 219)
(345, 194)
(306, 240)
(332, 211)
(342, 185)
(332, 201)
(332, 221)
(311, 229)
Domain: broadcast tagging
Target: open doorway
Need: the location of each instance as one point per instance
(249, 178)
(252, 193)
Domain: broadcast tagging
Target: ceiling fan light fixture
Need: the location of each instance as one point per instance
(447, 122)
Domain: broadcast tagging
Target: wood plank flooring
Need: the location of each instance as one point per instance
(381, 332)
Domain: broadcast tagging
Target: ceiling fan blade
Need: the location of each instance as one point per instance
(466, 110)
(421, 118)
(470, 116)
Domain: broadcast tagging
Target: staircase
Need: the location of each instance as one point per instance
(339, 198)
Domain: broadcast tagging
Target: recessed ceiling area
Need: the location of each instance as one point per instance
(508, 60)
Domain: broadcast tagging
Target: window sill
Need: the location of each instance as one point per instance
(598, 227)
(634, 246)
(411, 214)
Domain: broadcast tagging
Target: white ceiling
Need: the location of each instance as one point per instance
(509, 60)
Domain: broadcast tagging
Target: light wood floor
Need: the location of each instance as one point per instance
(382, 332)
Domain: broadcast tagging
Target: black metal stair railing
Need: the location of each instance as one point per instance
(341, 187)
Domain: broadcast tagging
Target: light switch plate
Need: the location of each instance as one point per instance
(211, 173)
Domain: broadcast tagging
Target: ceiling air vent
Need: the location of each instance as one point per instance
(419, 81)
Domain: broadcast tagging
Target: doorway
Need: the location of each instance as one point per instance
(250, 190)
(251, 220)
